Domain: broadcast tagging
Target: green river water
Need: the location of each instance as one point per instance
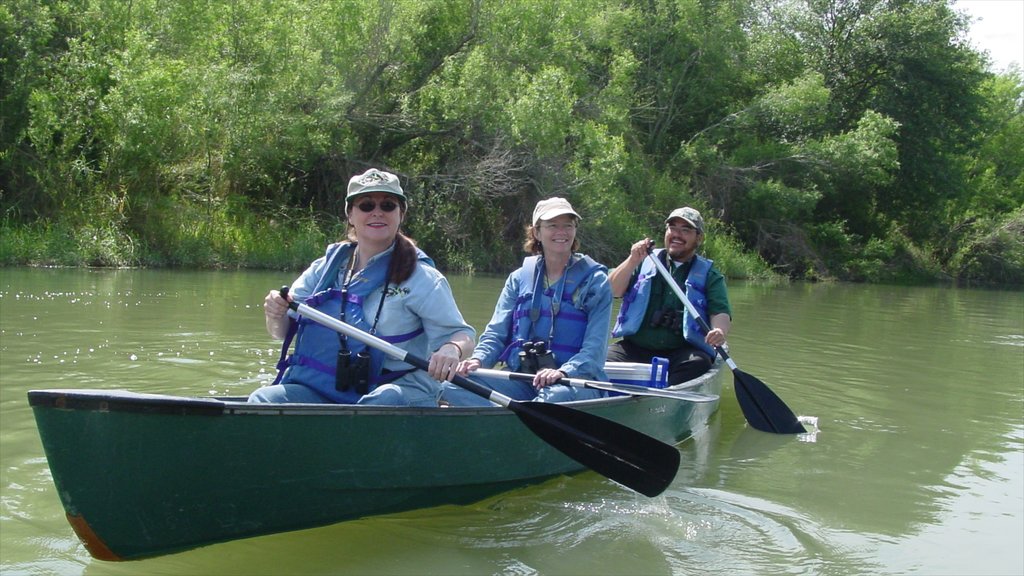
(917, 465)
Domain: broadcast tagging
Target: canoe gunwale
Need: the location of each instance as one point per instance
(124, 401)
(127, 401)
(117, 400)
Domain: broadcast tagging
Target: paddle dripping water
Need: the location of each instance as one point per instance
(761, 407)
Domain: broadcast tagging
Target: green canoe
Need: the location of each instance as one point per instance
(141, 475)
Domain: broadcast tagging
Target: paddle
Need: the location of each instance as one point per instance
(761, 407)
(630, 389)
(618, 452)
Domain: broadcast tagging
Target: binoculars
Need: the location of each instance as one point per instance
(353, 373)
(535, 356)
(667, 318)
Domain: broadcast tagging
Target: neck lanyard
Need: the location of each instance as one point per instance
(342, 339)
(556, 299)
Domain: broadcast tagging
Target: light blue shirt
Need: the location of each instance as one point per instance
(424, 300)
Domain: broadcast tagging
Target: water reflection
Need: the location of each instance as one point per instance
(903, 381)
(917, 466)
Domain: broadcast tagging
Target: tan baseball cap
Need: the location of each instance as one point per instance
(552, 208)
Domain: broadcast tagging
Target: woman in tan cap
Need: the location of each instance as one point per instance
(389, 288)
(551, 318)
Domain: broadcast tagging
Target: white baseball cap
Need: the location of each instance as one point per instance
(552, 208)
(374, 180)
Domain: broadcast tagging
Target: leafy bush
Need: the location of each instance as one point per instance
(994, 252)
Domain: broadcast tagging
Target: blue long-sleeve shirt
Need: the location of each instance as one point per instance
(595, 297)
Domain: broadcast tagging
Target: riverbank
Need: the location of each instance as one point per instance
(186, 239)
(190, 239)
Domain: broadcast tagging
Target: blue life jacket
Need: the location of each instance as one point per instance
(314, 361)
(635, 300)
(535, 309)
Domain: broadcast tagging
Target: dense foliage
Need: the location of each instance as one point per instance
(850, 139)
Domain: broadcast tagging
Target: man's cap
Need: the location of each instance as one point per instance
(688, 214)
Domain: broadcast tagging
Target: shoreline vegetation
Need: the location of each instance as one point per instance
(292, 244)
(867, 143)
(268, 245)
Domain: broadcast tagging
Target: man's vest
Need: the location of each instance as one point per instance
(635, 301)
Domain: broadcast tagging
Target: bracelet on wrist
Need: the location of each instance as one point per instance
(457, 347)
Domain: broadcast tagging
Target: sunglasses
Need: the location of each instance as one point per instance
(370, 205)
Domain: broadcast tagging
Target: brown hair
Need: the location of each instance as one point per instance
(533, 246)
(403, 259)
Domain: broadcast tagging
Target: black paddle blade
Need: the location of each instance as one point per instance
(762, 408)
(618, 452)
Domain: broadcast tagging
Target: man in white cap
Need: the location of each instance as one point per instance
(652, 321)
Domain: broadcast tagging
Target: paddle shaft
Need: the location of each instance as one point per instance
(391, 350)
(618, 452)
(690, 307)
(762, 408)
(630, 389)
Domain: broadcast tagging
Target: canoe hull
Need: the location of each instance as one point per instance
(142, 475)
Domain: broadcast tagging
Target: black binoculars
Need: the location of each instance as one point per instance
(668, 318)
(535, 356)
(353, 374)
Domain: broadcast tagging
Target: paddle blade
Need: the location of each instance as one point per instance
(618, 452)
(762, 408)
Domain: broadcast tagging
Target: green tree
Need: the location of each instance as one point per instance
(858, 139)
(907, 60)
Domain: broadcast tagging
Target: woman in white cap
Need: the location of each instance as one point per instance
(390, 289)
(551, 318)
